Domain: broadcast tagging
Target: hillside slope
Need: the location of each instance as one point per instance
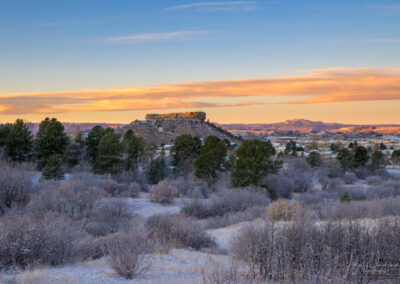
(164, 131)
(306, 126)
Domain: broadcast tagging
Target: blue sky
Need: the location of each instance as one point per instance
(59, 46)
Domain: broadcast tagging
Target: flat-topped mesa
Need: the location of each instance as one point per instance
(198, 115)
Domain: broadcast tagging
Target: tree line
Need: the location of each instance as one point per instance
(109, 152)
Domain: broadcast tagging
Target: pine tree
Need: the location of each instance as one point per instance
(50, 140)
(54, 168)
(253, 162)
(185, 150)
(158, 170)
(211, 158)
(18, 144)
(109, 155)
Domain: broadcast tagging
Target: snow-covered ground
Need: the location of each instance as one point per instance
(144, 208)
(393, 171)
(224, 236)
(176, 266)
(179, 266)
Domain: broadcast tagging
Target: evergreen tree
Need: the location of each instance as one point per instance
(4, 131)
(230, 162)
(360, 156)
(378, 160)
(158, 170)
(150, 150)
(18, 144)
(109, 155)
(253, 162)
(396, 157)
(345, 197)
(128, 135)
(92, 142)
(54, 168)
(314, 159)
(50, 140)
(136, 150)
(185, 150)
(212, 156)
(346, 159)
(292, 148)
(382, 146)
(72, 154)
(79, 139)
(334, 147)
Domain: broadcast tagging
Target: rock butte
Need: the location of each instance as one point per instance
(199, 115)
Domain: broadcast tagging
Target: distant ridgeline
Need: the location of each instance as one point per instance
(198, 115)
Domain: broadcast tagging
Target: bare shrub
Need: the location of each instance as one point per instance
(192, 187)
(302, 251)
(385, 189)
(175, 230)
(374, 180)
(129, 254)
(25, 241)
(283, 210)
(363, 173)
(219, 272)
(116, 189)
(71, 198)
(373, 209)
(331, 169)
(164, 192)
(283, 185)
(126, 176)
(333, 184)
(90, 247)
(15, 187)
(349, 178)
(224, 202)
(300, 172)
(383, 173)
(89, 179)
(231, 218)
(108, 216)
(356, 192)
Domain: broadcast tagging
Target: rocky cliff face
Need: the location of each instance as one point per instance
(175, 115)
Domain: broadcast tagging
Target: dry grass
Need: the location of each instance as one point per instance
(163, 192)
(283, 210)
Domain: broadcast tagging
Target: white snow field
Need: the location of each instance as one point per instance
(179, 266)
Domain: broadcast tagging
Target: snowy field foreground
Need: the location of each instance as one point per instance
(178, 266)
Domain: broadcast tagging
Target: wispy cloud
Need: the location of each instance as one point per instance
(216, 6)
(318, 86)
(168, 36)
(59, 23)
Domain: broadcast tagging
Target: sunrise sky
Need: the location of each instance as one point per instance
(240, 61)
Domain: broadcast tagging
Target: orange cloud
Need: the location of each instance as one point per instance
(320, 86)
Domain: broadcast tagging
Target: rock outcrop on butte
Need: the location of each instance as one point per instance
(164, 128)
(199, 115)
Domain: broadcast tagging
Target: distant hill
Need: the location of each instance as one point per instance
(308, 126)
(165, 130)
(71, 127)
